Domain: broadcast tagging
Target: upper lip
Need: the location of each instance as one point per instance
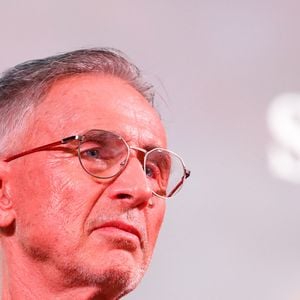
(122, 226)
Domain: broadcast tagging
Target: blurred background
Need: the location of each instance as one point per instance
(228, 79)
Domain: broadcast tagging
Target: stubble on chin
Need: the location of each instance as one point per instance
(115, 280)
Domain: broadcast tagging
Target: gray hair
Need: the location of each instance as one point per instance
(25, 85)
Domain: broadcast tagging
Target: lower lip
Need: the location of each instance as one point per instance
(119, 237)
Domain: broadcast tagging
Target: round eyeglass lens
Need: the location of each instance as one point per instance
(103, 154)
(165, 171)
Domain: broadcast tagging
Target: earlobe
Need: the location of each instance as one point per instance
(7, 214)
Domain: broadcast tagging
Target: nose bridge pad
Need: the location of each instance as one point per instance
(141, 153)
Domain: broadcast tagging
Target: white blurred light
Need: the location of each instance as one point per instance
(284, 123)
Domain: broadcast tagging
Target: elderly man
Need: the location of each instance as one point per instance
(84, 175)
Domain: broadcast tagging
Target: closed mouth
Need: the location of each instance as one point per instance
(122, 226)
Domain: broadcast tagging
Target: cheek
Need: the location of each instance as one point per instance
(154, 220)
(72, 194)
(53, 198)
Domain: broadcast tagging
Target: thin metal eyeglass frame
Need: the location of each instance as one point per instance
(80, 139)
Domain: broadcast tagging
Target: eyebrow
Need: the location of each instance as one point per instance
(147, 147)
(128, 139)
(151, 147)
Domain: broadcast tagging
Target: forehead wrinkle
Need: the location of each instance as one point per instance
(46, 119)
(146, 138)
(140, 125)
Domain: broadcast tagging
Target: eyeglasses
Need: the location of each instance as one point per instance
(104, 154)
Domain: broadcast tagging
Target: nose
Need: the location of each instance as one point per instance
(131, 185)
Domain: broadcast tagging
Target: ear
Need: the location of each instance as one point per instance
(7, 213)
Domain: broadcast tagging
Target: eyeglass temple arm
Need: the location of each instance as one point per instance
(44, 147)
(186, 175)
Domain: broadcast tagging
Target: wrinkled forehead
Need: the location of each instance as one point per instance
(76, 104)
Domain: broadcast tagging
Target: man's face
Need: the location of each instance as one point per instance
(74, 227)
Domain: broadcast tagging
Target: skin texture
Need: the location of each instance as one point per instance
(51, 209)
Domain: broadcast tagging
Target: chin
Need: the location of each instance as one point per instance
(116, 276)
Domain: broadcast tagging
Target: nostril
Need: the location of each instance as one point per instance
(124, 196)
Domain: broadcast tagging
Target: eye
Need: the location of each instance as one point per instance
(91, 153)
(152, 171)
(97, 153)
(155, 177)
(96, 159)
